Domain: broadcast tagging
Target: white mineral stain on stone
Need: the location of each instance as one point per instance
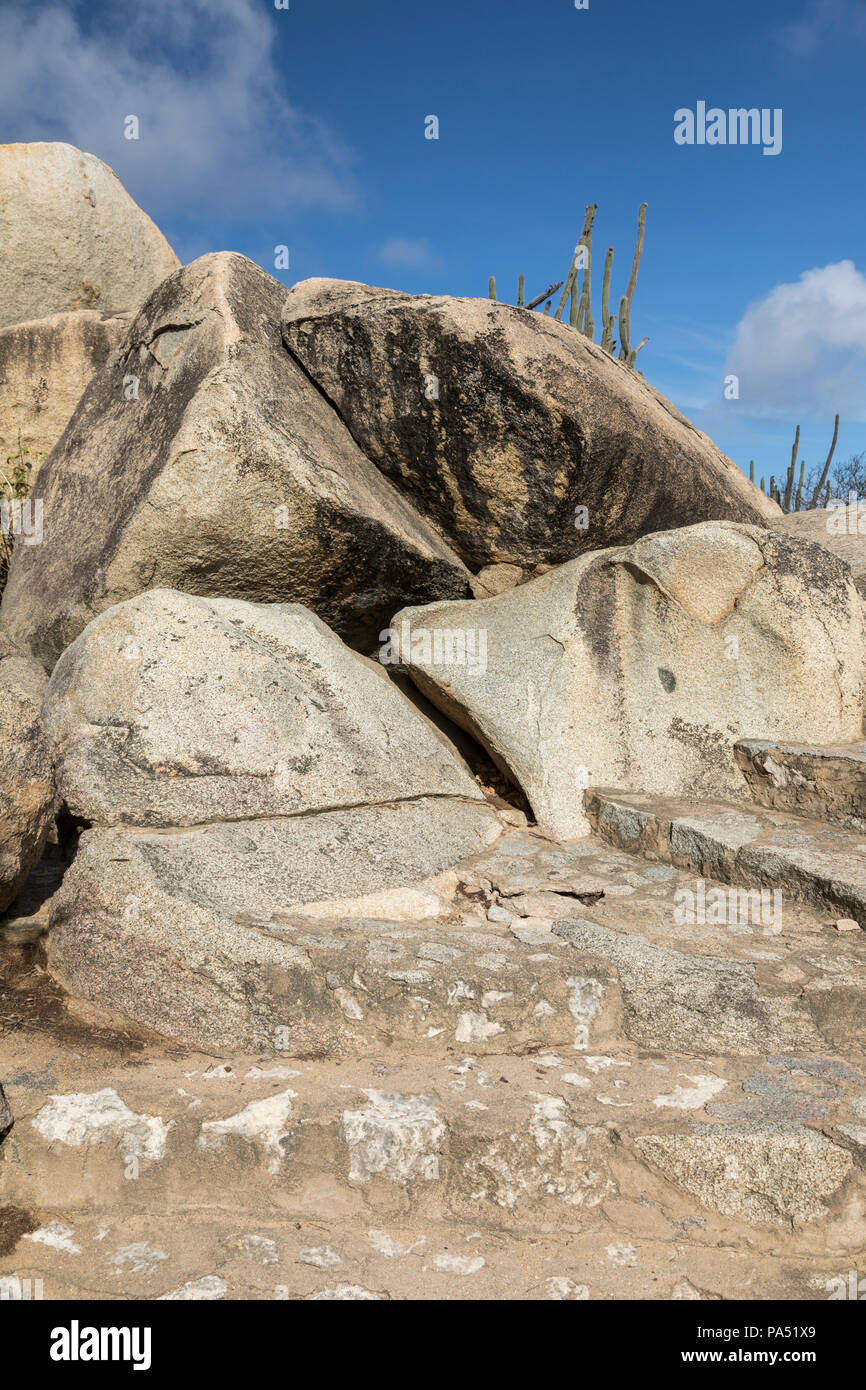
(208, 1289)
(584, 1005)
(476, 1027)
(262, 1122)
(395, 1136)
(101, 1117)
(491, 997)
(260, 1249)
(572, 1078)
(223, 1072)
(322, 1256)
(57, 1237)
(597, 1064)
(693, 1097)
(139, 1258)
(386, 1245)
(271, 1074)
(459, 1264)
(566, 1290)
(623, 1255)
(460, 990)
(344, 1293)
(543, 1009)
(349, 1004)
(468, 1064)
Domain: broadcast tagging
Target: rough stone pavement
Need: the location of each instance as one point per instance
(556, 1090)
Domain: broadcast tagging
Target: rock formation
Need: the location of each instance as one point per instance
(642, 666)
(72, 237)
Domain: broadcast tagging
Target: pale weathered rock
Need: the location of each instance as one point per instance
(521, 440)
(201, 458)
(841, 529)
(395, 1136)
(174, 710)
(640, 667)
(759, 1172)
(190, 932)
(817, 863)
(691, 1003)
(45, 365)
(72, 237)
(26, 776)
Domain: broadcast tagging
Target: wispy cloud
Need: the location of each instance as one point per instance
(408, 253)
(822, 21)
(802, 348)
(218, 132)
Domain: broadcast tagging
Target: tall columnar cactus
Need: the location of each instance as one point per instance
(789, 481)
(798, 500)
(580, 306)
(584, 312)
(791, 500)
(816, 495)
(491, 287)
(607, 318)
(625, 340)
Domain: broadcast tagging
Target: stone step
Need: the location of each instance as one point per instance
(144, 1174)
(822, 783)
(494, 970)
(750, 846)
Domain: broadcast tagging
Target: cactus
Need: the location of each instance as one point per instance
(763, 489)
(789, 481)
(799, 498)
(826, 469)
(575, 261)
(624, 346)
(751, 470)
(625, 337)
(607, 318)
(584, 312)
(580, 305)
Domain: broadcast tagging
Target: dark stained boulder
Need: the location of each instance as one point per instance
(499, 425)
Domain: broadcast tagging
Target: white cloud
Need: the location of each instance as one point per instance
(824, 20)
(218, 132)
(407, 253)
(802, 348)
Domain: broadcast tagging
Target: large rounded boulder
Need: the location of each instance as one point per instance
(522, 441)
(202, 458)
(72, 237)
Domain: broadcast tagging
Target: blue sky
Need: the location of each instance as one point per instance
(305, 127)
